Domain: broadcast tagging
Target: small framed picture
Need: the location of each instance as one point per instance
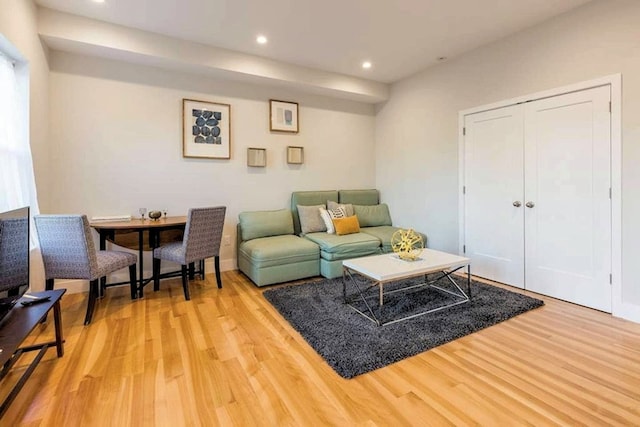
(256, 157)
(295, 155)
(283, 116)
(206, 129)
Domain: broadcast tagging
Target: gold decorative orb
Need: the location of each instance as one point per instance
(407, 244)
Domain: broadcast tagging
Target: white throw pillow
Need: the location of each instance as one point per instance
(348, 207)
(328, 215)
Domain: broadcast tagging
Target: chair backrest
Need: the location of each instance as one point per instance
(203, 233)
(67, 247)
(14, 247)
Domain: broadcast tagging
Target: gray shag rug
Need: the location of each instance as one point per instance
(352, 344)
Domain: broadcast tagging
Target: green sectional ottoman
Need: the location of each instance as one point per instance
(334, 249)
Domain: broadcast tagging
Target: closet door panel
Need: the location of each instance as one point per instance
(567, 179)
(494, 181)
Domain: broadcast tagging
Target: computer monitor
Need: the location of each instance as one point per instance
(14, 257)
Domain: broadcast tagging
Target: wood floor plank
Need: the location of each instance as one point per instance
(228, 358)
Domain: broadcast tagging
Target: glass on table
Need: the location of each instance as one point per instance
(143, 212)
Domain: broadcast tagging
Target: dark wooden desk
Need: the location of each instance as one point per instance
(16, 326)
(163, 230)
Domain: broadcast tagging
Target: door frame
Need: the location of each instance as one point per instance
(618, 307)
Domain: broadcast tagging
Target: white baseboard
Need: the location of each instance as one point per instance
(628, 312)
(77, 286)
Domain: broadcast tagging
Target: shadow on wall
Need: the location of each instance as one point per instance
(222, 84)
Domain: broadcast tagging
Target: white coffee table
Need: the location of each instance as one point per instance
(380, 270)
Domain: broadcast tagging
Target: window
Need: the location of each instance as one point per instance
(17, 183)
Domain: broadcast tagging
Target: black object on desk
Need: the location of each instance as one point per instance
(16, 326)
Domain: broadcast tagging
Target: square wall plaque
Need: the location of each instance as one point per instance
(295, 155)
(257, 157)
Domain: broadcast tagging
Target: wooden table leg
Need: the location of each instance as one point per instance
(141, 262)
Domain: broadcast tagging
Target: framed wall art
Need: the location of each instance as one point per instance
(206, 129)
(283, 116)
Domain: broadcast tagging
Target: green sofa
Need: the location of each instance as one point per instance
(272, 247)
(375, 233)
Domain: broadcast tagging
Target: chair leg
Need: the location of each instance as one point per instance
(192, 270)
(201, 269)
(93, 295)
(133, 283)
(218, 278)
(156, 275)
(185, 283)
(103, 286)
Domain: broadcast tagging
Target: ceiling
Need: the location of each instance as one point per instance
(399, 37)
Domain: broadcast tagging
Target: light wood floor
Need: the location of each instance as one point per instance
(228, 358)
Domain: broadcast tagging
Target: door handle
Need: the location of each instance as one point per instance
(530, 204)
(517, 204)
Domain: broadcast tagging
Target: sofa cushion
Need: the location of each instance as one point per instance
(258, 224)
(307, 198)
(382, 233)
(278, 250)
(310, 219)
(334, 247)
(359, 197)
(348, 225)
(373, 215)
(329, 215)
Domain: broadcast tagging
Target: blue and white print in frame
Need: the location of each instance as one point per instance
(283, 116)
(206, 129)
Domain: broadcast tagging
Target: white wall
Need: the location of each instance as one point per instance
(116, 139)
(417, 129)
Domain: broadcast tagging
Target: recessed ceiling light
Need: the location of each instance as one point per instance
(261, 39)
(98, 1)
(366, 65)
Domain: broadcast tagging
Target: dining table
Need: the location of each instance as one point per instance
(141, 234)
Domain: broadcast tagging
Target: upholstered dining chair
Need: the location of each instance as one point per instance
(202, 238)
(68, 252)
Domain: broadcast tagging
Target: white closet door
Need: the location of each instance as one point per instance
(494, 182)
(567, 179)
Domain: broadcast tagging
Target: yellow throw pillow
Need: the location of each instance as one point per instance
(346, 225)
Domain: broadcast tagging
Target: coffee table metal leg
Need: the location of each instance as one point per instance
(346, 275)
(469, 280)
